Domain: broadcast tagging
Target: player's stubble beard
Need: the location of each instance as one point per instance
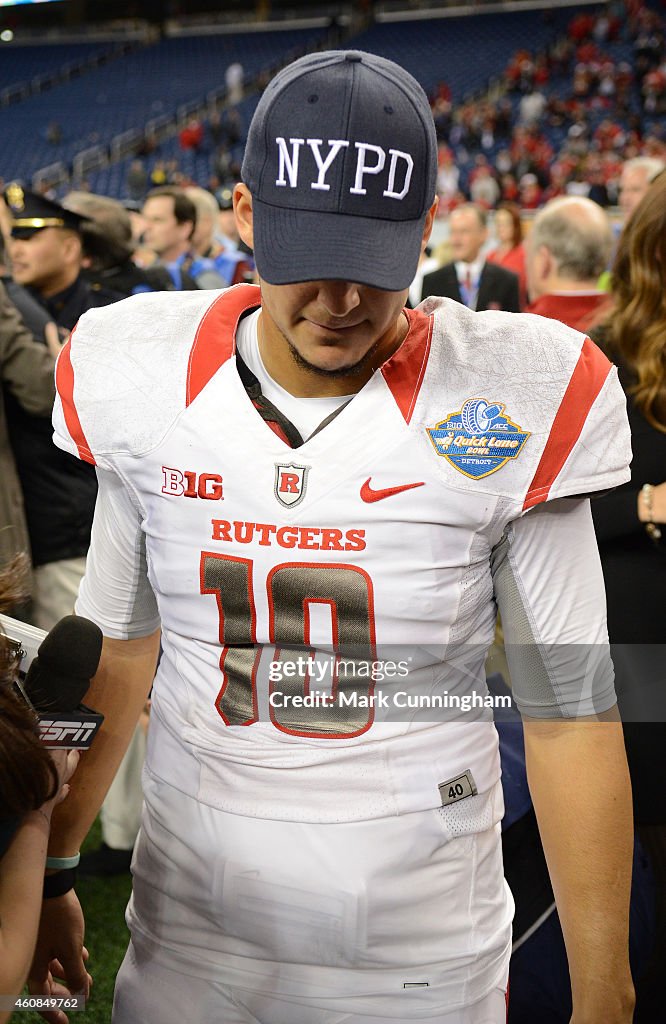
(367, 364)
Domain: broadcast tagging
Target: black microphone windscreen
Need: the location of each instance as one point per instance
(66, 661)
(74, 644)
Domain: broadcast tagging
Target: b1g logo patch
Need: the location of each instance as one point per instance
(290, 482)
(478, 439)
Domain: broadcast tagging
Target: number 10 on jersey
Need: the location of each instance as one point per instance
(292, 588)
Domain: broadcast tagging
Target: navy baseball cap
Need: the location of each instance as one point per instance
(341, 161)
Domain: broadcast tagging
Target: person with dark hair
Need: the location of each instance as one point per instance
(46, 250)
(108, 246)
(136, 181)
(510, 251)
(170, 219)
(303, 484)
(32, 783)
(470, 278)
(32, 312)
(630, 524)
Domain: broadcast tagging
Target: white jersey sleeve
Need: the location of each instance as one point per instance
(115, 591)
(129, 370)
(550, 592)
(522, 407)
(589, 445)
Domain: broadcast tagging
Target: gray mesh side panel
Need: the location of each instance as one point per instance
(141, 602)
(531, 683)
(143, 605)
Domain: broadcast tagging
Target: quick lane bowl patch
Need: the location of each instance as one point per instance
(478, 439)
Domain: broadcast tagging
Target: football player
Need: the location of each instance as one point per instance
(321, 498)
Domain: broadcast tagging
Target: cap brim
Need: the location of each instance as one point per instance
(22, 234)
(305, 245)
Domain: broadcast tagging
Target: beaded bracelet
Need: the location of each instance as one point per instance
(651, 528)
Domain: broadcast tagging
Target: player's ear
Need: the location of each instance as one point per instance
(429, 221)
(243, 213)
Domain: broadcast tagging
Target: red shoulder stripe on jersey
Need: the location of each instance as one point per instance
(404, 371)
(215, 340)
(586, 382)
(65, 386)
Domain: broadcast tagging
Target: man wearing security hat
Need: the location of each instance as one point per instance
(47, 256)
(296, 481)
(59, 493)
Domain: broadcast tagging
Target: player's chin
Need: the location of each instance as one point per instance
(342, 350)
(333, 360)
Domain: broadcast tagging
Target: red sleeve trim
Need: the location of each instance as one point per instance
(405, 370)
(215, 340)
(65, 386)
(586, 382)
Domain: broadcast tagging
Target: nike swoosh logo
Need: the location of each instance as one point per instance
(369, 494)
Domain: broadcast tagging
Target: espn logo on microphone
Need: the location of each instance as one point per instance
(71, 730)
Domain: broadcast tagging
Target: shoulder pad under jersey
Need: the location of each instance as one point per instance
(520, 405)
(130, 369)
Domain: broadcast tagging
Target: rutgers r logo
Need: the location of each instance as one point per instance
(188, 484)
(290, 482)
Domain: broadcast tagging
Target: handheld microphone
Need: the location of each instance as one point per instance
(58, 676)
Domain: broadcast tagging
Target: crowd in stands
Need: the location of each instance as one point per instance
(561, 122)
(564, 121)
(558, 122)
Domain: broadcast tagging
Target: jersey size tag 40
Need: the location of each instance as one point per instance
(457, 788)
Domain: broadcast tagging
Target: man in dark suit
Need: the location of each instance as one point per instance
(470, 279)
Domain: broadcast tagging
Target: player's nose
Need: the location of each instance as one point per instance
(339, 298)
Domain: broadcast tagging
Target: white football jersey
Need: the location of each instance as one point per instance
(373, 540)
